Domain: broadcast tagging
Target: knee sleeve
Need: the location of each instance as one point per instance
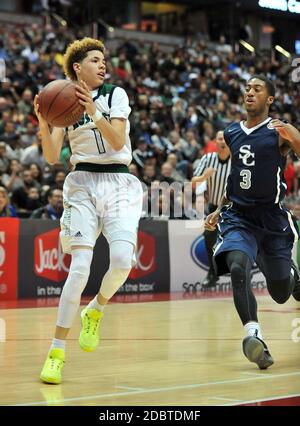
(78, 275)
(74, 286)
(280, 290)
(239, 266)
(238, 275)
(121, 254)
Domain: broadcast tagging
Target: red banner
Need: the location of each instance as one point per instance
(9, 250)
(145, 256)
(49, 260)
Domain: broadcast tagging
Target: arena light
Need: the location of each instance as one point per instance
(282, 51)
(247, 46)
(59, 19)
(108, 28)
(292, 6)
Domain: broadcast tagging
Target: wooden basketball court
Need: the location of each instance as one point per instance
(174, 352)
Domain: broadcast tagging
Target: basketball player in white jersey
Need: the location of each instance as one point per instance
(99, 196)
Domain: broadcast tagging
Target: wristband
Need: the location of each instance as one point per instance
(97, 116)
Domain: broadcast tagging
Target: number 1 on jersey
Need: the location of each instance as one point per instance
(99, 140)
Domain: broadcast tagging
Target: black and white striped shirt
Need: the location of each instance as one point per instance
(217, 182)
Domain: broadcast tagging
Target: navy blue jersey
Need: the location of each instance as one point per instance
(257, 165)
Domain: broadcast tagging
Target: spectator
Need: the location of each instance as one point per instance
(25, 105)
(290, 177)
(141, 153)
(34, 153)
(36, 173)
(177, 173)
(149, 174)
(133, 170)
(65, 156)
(190, 150)
(20, 195)
(10, 135)
(33, 200)
(60, 177)
(6, 118)
(160, 143)
(167, 171)
(4, 161)
(13, 178)
(54, 208)
(29, 135)
(6, 209)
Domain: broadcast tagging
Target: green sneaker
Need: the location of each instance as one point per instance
(89, 335)
(51, 372)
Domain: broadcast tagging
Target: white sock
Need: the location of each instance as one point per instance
(253, 329)
(58, 344)
(95, 305)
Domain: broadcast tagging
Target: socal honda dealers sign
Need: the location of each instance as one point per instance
(189, 261)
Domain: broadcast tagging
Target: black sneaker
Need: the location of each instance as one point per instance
(256, 351)
(209, 281)
(296, 290)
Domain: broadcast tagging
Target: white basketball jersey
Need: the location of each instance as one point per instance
(86, 141)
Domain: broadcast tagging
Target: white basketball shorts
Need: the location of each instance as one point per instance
(100, 202)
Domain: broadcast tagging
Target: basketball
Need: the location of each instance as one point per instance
(59, 105)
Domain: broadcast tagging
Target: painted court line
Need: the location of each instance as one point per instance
(129, 388)
(165, 389)
(226, 399)
(252, 374)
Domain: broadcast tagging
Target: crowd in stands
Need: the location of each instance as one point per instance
(179, 100)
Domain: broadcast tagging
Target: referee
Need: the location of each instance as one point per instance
(215, 168)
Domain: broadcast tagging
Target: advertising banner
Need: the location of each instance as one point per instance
(188, 258)
(151, 274)
(43, 267)
(9, 251)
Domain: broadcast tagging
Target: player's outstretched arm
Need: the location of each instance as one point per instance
(51, 142)
(288, 133)
(213, 218)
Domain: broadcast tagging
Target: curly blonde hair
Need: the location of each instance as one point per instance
(77, 51)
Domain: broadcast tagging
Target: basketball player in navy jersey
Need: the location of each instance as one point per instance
(253, 225)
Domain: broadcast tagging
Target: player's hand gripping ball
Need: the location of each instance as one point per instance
(59, 105)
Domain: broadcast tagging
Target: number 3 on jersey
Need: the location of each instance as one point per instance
(99, 140)
(246, 182)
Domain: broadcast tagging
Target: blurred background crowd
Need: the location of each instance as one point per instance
(180, 99)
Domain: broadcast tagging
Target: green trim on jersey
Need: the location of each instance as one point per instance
(101, 168)
(104, 90)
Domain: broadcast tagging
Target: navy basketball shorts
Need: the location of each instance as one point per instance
(269, 233)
